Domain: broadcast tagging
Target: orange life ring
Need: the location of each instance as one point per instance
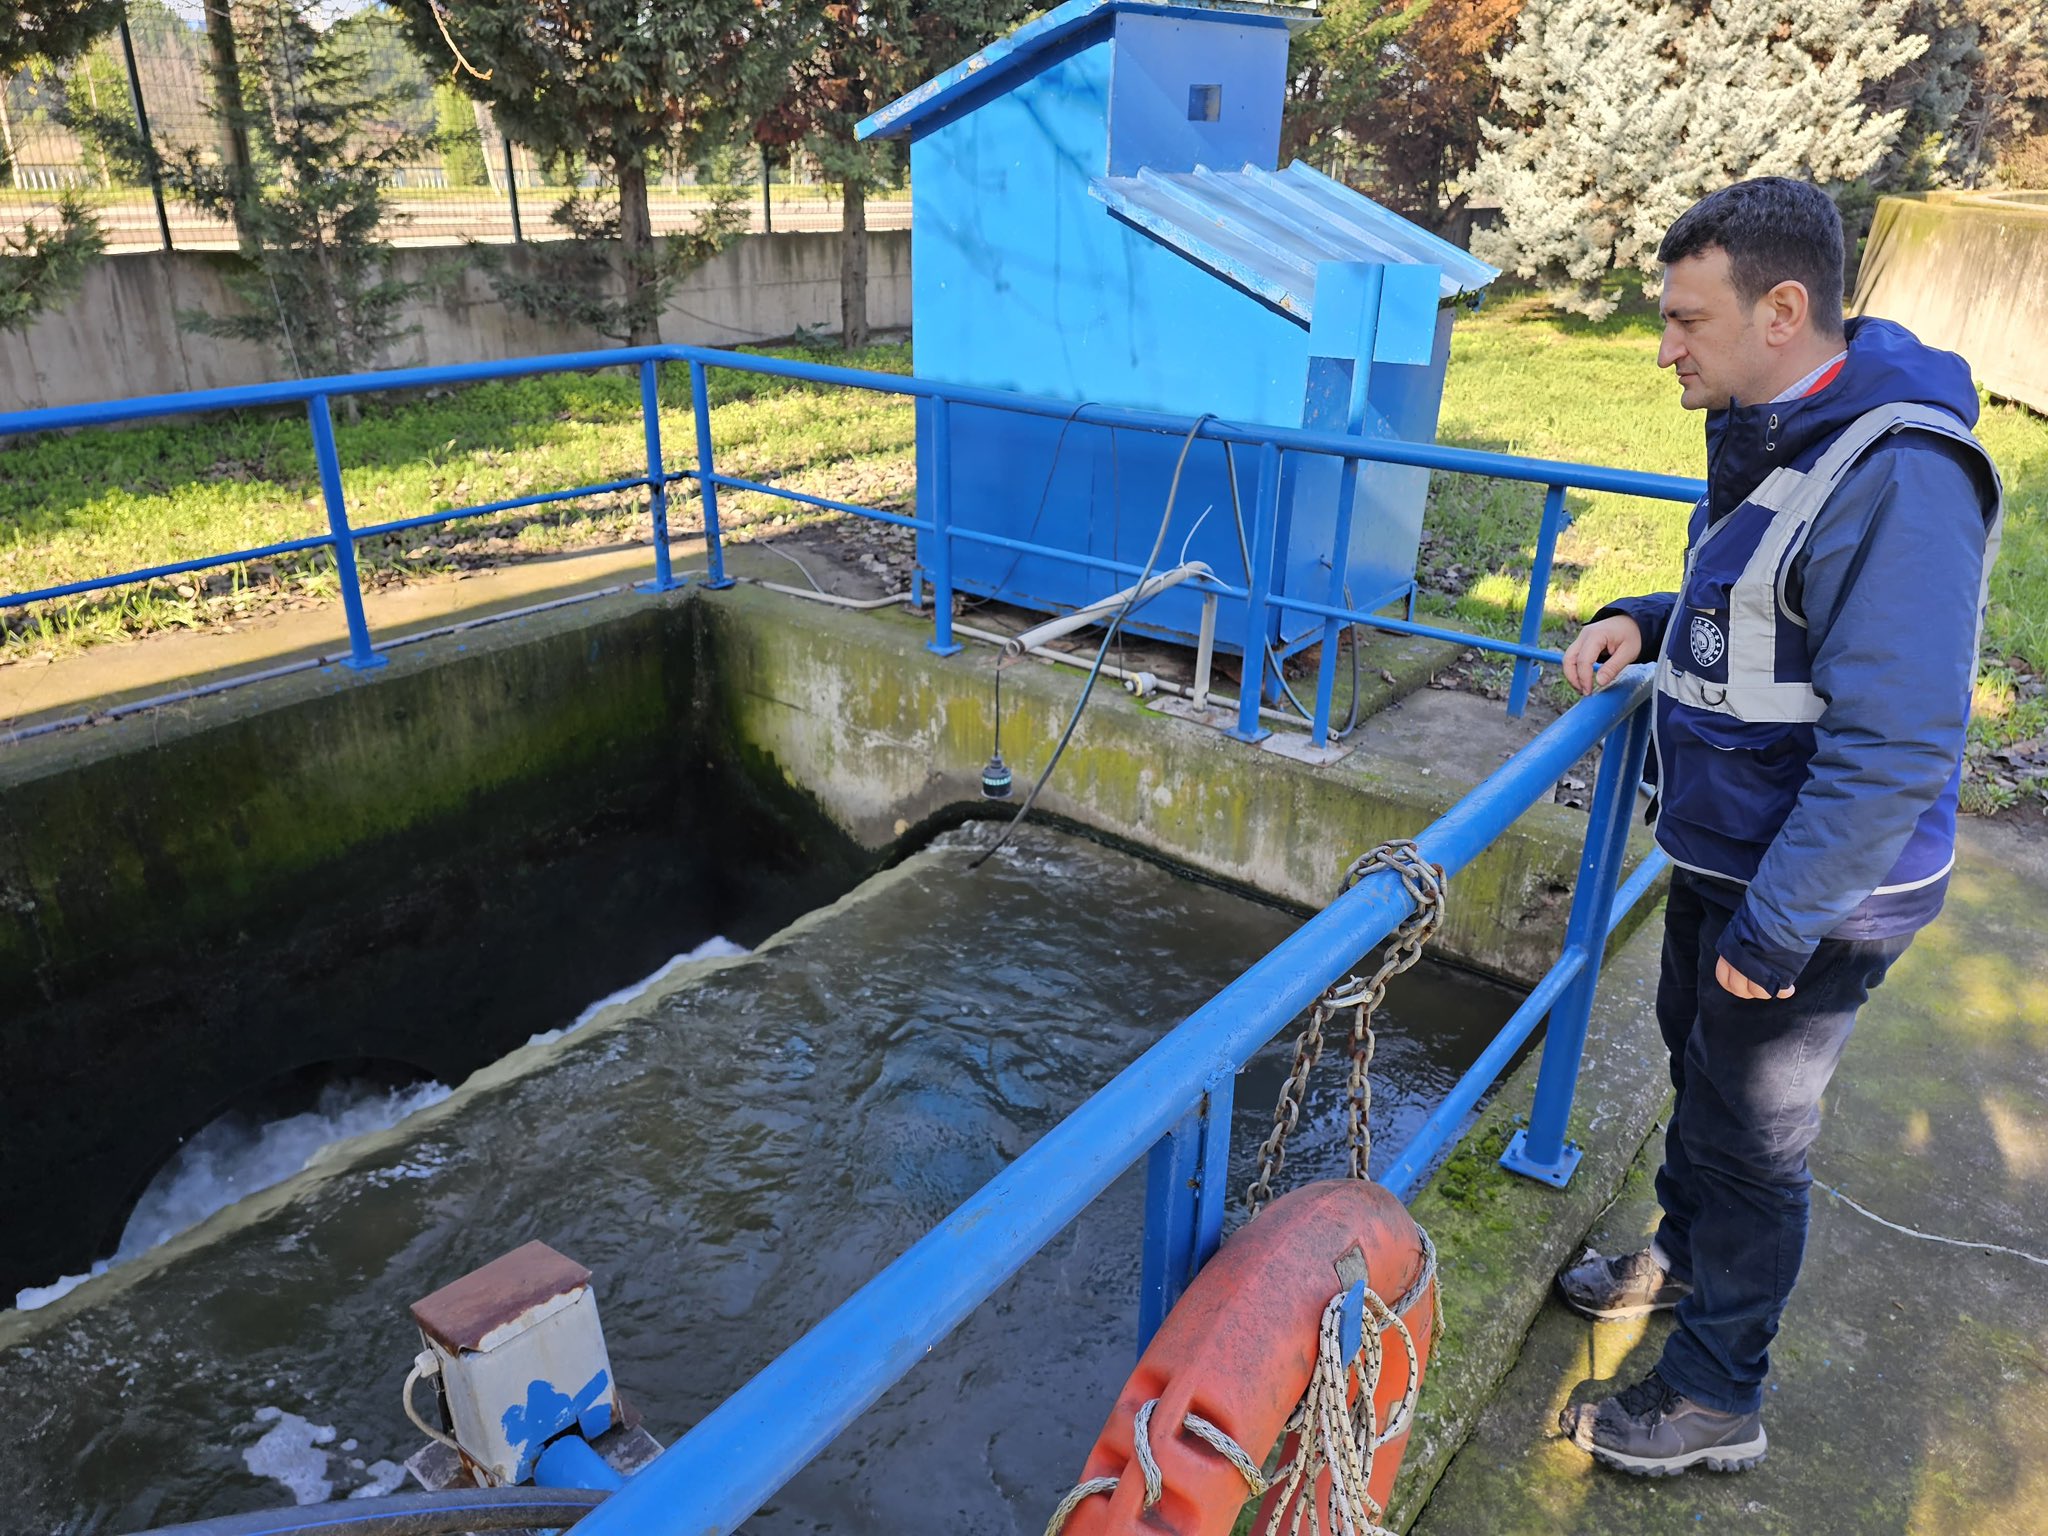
(1239, 1349)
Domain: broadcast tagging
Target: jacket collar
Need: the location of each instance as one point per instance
(1886, 364)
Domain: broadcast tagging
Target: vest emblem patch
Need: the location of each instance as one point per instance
(1708, 643)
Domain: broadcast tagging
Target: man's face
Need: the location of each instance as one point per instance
(1713, 339)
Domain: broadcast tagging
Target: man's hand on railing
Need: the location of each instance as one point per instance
(1597, 657)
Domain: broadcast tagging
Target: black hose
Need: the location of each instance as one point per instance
(1101, 651)
(408, 1514)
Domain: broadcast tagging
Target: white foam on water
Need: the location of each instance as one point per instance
(289, 1452)
(234, 1157)
(385, 1477)
(710, 949)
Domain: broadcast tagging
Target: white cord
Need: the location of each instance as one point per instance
(1930, 1237)
(792, 559)
(424, 1365)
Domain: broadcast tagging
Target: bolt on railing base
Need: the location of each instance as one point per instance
(1557, 1175)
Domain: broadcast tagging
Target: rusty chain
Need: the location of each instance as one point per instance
(1424, 882)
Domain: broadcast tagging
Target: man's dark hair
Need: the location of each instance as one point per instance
(1774, 230)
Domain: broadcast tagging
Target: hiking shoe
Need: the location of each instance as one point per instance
(1631, 1285)
(1652, 1431)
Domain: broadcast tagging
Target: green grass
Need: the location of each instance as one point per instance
(85, 505)
(1525, 379)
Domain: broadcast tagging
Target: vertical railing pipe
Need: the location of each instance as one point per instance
(1212, 1191)
(1340, 558)
(360, 654)
(707, 482)
(1543, 1152)
(1539, 592)
(1187, 1189)
(1167, 1257)
(657, 474)
(1265, 533)
(940, 514)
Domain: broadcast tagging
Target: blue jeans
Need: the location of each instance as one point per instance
(1734, 1184)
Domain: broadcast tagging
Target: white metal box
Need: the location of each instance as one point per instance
(521, 1358)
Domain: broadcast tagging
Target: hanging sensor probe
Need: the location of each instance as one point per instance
(995, 776)
(1131, 599)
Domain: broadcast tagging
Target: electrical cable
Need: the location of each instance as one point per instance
(1045, 491)
(1244, 551)
(1102, 650)
(802, 569)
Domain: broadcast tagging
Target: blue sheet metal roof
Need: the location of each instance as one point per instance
(1267, 230)
(1022, 49)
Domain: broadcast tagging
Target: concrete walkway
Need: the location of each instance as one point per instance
(102, 675)
(1910, 1383)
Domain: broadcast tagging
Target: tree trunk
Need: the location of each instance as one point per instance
(486, 130)
(7, 137)
(853, 267)
(232, 111)
(636, 255)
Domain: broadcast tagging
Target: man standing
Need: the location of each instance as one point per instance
(1813, 685)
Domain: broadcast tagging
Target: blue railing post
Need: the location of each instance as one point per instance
(940, 514)
(1539, 592)
(657, 474)
(360, 655)
(1265, 533)
(1542, 1151)
(1186, 1190)
(1167, 1259)
(1340, 558)
(707, 483)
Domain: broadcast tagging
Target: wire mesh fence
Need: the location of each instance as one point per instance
(468, 184)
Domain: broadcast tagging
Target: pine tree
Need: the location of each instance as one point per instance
(314, 275)
(849, 58)
(41, 267)
(1628, 111)
(626, 86)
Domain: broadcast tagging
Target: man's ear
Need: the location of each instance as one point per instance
(1786, 309)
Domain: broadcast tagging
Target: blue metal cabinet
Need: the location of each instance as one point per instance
(1094, 220)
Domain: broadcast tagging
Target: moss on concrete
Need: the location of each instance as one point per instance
(887, 736)
(1501, 1237)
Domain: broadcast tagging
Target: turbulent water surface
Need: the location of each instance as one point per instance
(732, 1152)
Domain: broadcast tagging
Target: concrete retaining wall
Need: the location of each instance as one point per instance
(1968, 273)
(389, 867)
(121, 336)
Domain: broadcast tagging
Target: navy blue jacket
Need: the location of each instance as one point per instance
(1890, 582)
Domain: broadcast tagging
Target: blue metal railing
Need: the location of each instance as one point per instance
(934, 517)
(1173, 1106)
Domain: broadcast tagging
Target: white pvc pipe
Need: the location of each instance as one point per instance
(1110, 669)
(1102, 608)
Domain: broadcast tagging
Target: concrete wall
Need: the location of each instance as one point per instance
(200, 901)
(120, 336)
(408, 878)
(1968, 273)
